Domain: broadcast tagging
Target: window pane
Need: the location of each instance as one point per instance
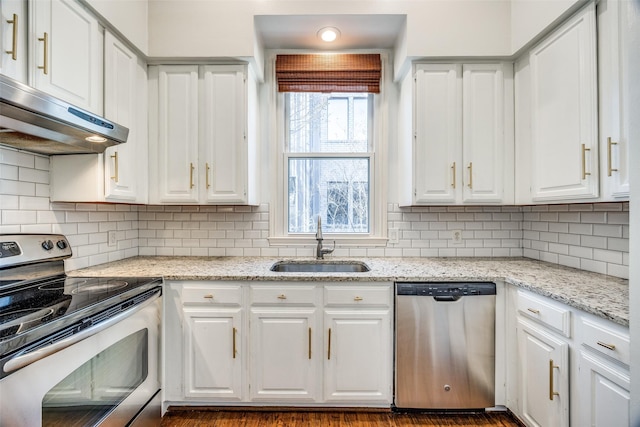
(337, 189)
(327, 123)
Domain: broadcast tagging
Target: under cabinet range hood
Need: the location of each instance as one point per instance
(35, 121)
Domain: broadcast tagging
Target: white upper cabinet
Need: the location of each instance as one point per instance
(66, 52)
(461, 148)
(120, 174)
(205, 135)
(126, 103)
(564, 120)
(614, 118)
(13, 33)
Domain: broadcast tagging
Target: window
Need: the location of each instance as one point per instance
(329, 149)
(328, 159)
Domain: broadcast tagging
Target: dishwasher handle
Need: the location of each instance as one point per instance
(448, 298)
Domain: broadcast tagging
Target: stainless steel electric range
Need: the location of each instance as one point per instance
(79, 350)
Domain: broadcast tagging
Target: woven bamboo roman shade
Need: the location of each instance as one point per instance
(329, 73)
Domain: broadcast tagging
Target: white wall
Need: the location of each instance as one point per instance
(225, 28)
(530, 18)
(130, 18)
(633, 104)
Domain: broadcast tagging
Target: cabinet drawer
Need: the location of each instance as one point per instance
(357, 295)
(283, 294)
(205, 293)
(606, 341)
(553, 315)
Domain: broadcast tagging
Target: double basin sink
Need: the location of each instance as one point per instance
(320, 266)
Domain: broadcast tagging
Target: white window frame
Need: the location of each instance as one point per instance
(279, 195)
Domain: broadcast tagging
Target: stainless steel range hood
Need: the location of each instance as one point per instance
(35, 121)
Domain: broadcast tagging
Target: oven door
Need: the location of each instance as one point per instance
(104, 379)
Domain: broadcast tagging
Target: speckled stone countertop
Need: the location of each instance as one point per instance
(604, 296)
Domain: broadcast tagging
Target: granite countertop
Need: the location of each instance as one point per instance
(604, 296)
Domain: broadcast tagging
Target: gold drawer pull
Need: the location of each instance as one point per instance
(607, 346)
(191, 168)
(584, 161)
(208, 296)
(235, 331)
(453, 173)
(610, 168)
(329, 346)
(14, 41)
(358, 299)
(282, 296)
(551, 368)
(309, 343)
(115, 166)
(45, 66)
(533, 310)
(470, 167)
(207, 175)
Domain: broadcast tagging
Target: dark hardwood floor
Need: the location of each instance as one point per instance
(210, 417)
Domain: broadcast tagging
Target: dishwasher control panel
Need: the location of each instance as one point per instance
(446, 289)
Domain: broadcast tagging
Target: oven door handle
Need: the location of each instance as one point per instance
(23, 360)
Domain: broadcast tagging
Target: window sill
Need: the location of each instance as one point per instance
(341, 241)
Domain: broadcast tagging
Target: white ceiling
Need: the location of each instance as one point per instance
(356, 31)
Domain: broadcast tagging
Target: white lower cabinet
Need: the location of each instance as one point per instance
(283, 351)
(212, 353)
(282, 366)
(544, 381)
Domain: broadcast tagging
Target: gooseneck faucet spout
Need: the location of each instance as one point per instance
(320, 251)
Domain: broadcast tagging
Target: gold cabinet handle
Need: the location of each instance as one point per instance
(607, 346)
(551, 368)
(208, 296)
(453, 172)
(14, 42)
(584, 161)
(191, 185)
(609, 168)
(357, 298)
(45, 66)
(329, 346)
(235, 332)
(533, 310)
(309, 343)
(115, 166)
(207, 175)
(282, 296)
(470, 167)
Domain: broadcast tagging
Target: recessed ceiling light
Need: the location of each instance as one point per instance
(96, 138)
(329, 34)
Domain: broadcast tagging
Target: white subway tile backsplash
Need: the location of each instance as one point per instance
(588, 236)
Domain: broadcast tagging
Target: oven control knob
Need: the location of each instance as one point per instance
(47, 245)
(61, 244)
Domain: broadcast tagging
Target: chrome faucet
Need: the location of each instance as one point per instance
(320, 251)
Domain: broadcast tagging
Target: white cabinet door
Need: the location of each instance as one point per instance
(357, 355)
(223, 129)
(437, 137)
(544, 377)
(564, 126)
(213, 353)
(283, 344)
(613, 89)
(175, 173)
(125, 101)
(461, 153)
(604, 393)
(483, 141)
(66, 52)
(13, 28)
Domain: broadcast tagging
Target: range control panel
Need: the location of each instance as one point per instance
(446, 289)
(17, 249)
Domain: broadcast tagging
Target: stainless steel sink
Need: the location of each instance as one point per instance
(320, 267)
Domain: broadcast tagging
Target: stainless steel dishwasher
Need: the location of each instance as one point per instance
(445, 345)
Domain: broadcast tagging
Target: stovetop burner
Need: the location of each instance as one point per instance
(40, 304)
